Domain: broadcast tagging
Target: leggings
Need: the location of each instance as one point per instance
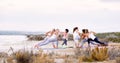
(49, 40)
(96, 40)
(83, 42)
(65, 42)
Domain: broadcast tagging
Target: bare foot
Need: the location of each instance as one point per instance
(80, 46)
(98, 45)
(55, 46)
(36, 46)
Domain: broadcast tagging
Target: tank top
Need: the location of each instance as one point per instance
(53, 36)
(76, 35)
(92, 36)
(49, 34)
(65, 36)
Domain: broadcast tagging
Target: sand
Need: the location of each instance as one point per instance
(29, 45)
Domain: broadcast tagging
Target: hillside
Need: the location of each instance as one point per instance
(111, 36)
(105, 37)
(19, 33)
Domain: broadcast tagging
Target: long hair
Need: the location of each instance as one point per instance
(66, 30)
(75, 28)
(85, 30)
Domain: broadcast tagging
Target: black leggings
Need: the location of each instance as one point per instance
(96, 40)
(65, 42)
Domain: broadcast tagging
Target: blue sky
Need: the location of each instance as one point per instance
(44, 15)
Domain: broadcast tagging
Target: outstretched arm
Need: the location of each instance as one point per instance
(92, 32)
(82, 36)
(79, 33)
(47, 33)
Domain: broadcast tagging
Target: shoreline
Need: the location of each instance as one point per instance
(29, 45)
(60, 55)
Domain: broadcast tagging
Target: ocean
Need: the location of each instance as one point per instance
(16, 42)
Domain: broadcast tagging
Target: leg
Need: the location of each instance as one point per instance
(47, 41)
(76, 40)
(92, 43)
(89, 42)
(44, 43)
(76, 43)
(46, 38)
(82, 42)
(41, 43)
(55, 44)
(96, 40)
(63, 41)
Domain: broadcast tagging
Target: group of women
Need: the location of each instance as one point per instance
(79, 38)
(86, 36)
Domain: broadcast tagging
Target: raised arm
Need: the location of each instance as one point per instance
(92, 32)
(47, 33)
(79, 33)
(82, 36)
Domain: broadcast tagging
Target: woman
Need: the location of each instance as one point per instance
(52, 38)
(65, 37)
(92, 37)
(48, 34)
(84, 37)
(76, 36)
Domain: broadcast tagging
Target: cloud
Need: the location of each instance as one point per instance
(35, 15)
(55, 6)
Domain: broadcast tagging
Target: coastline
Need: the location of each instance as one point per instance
(59, 55)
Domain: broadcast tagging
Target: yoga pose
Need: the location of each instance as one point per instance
(91, 37)
(52, 37)
(65, 37)
(48, 34)
(76, 36)
(84, 38)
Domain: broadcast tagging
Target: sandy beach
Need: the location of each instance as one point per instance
(21, 43)
(11, 44)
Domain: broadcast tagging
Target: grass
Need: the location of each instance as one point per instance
(97, 54)
(118, 60)
(23, 56)
(109, 37)
(81, 55)
(42, 58)
(29, 57)
(114, 52)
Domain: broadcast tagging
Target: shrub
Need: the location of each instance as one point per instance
(114, 52)
(29, 57)
(118, 60)
(22, 56)
(111, 36)
(42, 58)
(35, 37)
(114, 39)
(97, 54)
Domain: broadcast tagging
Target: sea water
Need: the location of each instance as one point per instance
(16, 42)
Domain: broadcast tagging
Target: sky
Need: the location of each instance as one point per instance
(44, 15)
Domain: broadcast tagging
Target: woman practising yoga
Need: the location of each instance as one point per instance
(65, 37)
(76, 36)
(91, 37)
(52, 37)
(84, 38)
